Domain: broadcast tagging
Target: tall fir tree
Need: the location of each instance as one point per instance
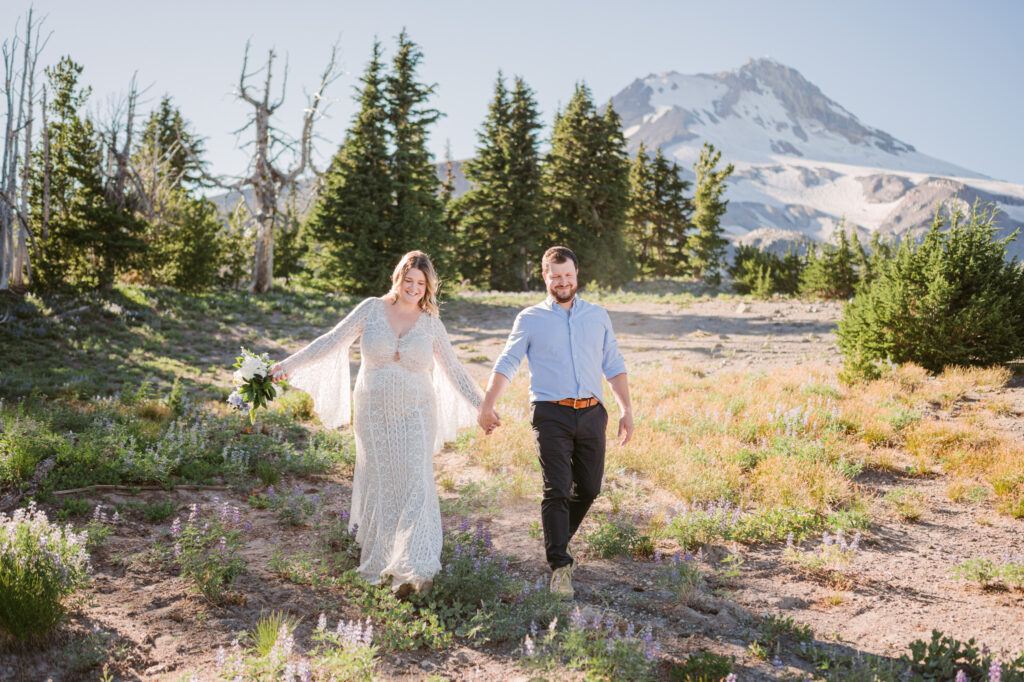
(417, 220)
(706, 246)
(84, 238)
(169, 138)
(484, 211)
(352, 242)
(502, 215)
(586, 177)
(659, 212)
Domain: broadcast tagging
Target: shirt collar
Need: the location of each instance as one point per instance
(550, 302)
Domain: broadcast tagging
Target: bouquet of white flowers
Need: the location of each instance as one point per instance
(253, 387)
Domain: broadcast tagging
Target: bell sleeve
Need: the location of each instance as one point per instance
(458, 395)
(321, 369)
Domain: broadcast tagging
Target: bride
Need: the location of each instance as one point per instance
(411, 394)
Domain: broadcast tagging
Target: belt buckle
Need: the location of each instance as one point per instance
(575, 406)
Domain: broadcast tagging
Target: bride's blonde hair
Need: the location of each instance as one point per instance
(421, 262)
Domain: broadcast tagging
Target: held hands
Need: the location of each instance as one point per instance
(488, 419)
(277, 374)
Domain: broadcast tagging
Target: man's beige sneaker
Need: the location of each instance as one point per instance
(561, 581)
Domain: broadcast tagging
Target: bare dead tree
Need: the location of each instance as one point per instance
(265, 177)
(19, 90)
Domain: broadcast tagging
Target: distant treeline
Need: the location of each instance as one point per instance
(85, 203)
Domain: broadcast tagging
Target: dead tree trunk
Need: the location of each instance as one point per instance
(19, 97)
(266, 179)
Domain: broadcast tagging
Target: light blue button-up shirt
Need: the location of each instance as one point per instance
(567, 351)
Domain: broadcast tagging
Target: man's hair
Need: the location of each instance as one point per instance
(558, 254)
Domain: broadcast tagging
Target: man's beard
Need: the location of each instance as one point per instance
(562, 299)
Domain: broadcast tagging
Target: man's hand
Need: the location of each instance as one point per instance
(488, 419)
(625, 428)
(620, 389)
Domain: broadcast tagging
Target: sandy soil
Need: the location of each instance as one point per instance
(898, 589)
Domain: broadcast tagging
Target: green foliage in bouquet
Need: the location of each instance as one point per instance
(254, 387)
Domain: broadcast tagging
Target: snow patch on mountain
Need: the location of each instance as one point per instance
(804, 164)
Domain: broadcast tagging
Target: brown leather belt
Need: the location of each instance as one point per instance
(576, 403)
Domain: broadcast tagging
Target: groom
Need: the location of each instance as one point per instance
(569, 344)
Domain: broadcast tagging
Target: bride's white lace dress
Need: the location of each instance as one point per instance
(411, 395)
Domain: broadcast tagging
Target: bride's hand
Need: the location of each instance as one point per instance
(277, 374)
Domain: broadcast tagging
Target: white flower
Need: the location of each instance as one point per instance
(236, 399)
(251, 366)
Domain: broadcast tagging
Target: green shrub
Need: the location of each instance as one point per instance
(762, 273)
(617, 536)
(682, 576)
(953, 299)
(943, 657)
(601, 650)
(206, 549)
(830, 271)
(703, 667)
(40, 564)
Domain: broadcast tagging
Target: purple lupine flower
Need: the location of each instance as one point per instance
(176, 527)
(731, 677)
(457, 552)
(961, 676)
(248, 526)
(789, 541)
(776, 662)
(995, 671)
(193, 513)
(222, 546)
(305, 672)
(222, 657)
(578, 621)
(476, 564)
(464, 524)
(630, 631)
(368, 633)
(528, 645)
(657, 556)
(289, 671)
(236, 516)
(177, 550)
(855, 543)
(533, 628)
(270, 491)
(116, 518)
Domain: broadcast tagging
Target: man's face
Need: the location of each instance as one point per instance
(561, 281)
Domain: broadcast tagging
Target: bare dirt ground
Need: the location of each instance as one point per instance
(897, 590)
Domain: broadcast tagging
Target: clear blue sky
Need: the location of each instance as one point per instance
(944, 76)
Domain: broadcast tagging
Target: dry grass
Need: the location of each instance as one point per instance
(791, 437)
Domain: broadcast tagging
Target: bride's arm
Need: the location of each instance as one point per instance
(449, 363)
(344, 333)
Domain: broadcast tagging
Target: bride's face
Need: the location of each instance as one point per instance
(413, 287)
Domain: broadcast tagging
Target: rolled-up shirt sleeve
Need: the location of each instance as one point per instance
(515, 349)
(612, 362)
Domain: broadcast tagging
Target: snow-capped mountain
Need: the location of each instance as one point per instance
(803, 162)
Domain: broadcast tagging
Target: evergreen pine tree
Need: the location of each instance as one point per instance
(417, 217)
(502, 215)
(831, 272)
(641, 215)
(87, 239)
(953, 299)
(485, 211)
(237, 247)
(527, 227)
(586, 177)
(167, 136)
(706, 247)
(353, 245)
(673, 216)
